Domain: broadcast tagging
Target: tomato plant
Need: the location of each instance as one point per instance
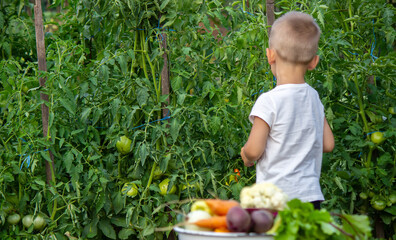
(105, 67)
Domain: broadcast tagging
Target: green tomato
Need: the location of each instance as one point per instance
(130, 189)
(25, 89)
(196, 186)
(157, 173)
(377, 137)
(124, 145)
(27, 220)
(164, 187)
(39, 222)
(363, 195)
(378, 204)
(232, 178)
(13, 219)
(392, 197)
(392, 110)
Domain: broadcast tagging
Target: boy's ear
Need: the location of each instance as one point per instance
(270, 56)
(312, 64)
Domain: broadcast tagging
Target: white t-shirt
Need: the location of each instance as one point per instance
(292, 159)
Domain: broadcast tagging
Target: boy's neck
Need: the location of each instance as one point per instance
(289, 73)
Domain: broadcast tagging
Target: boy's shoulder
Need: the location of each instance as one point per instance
(287, 88)
(285, 91)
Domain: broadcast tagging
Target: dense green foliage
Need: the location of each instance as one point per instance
(104, 63)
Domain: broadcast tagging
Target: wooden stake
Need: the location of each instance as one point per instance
(42, 66)
(270, 14)
(164, 74)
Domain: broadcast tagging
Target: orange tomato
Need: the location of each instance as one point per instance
(236, 170)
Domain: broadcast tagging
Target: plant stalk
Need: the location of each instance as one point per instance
(361, 105)
(369, 156)
(134, 50)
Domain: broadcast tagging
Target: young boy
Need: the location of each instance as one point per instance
(290, 132)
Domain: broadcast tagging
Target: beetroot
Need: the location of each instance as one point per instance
(238, 220)
(262, 221)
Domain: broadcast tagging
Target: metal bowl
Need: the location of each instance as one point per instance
(185, 234)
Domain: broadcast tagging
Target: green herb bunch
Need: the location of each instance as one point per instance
(301, 221)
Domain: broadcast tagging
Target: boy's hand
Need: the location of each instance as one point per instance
(245, 160)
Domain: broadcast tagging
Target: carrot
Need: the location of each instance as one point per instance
(222, 230)
(213, 222)
(221, 207)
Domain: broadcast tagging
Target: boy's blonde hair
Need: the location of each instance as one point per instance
(295, 37)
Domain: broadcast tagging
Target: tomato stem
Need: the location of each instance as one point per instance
(4, 144)
(158, 93)
(54, 209)
(142, 56)
(389, 94)
(350, 16)
(150, 180)
(19, 192)
(369, 156)
(361, 105)
(119, 166)
(134, 50)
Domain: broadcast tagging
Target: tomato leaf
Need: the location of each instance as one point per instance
(119, 221)
(164, 163)
(125, 233)
(69, 105)
(107, 229)
(176, 83)
(123, 64)
(143, 153)
(68, 161)
(103, 73)
(100, 202)
(142, 96)
(175, 128)
(91, 230)
(148, 230)
(391, 210)
(85, 113)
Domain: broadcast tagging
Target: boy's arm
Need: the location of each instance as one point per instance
(328, 138)
(255, 145)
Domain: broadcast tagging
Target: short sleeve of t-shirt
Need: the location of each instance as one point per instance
(264, 109)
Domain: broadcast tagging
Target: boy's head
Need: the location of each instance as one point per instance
(295, 37)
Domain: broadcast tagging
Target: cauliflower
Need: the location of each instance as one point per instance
(263, 195)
